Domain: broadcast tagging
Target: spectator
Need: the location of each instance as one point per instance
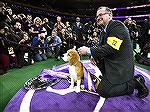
(28, 23)
(4, 58)
(59, 26)
(25, 56)
(77, 27)
(48, 25)
(57, 42)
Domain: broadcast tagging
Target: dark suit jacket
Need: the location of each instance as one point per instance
(116, 51)
(78, 30)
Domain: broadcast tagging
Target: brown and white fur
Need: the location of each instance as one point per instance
(75, 68)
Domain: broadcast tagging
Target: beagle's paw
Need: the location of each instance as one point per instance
(71, 86)
(77, 89)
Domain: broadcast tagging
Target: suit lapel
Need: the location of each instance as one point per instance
(102, 36)
(106, 32)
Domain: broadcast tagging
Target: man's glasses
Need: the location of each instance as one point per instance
(101, 14)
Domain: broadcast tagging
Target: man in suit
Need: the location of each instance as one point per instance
(114, 57)
(77, 28)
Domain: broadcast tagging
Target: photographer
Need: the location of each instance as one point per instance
(133, 31)
(10, 36)
(56, 45)
(2, 17)
(25, 56)
(4, 58)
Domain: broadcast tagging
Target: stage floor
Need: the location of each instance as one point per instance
(49, 100)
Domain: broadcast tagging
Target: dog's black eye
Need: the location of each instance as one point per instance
(68, 54)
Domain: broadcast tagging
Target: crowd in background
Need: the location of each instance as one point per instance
(25, 40)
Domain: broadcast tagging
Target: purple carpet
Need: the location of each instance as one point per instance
(47, 101)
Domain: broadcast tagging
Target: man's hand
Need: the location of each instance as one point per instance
(82, 50)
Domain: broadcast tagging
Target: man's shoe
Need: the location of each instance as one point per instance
(140, 77)
(140, 86)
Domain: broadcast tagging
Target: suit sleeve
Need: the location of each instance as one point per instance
(115, 38)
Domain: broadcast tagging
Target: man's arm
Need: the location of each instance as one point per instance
(116, 34)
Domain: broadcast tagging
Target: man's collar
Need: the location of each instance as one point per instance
(105, 27)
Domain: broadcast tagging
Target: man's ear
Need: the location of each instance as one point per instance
(110, 15)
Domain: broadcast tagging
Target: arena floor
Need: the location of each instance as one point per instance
(49, 100)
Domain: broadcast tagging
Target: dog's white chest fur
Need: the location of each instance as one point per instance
(72, 72)
(73, 75)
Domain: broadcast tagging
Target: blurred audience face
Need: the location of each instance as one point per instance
(29, 17)
(18, 25)
(25, 36)
(103, 16)
(77, 19)
(38, 21)
(54, 33)
(2, 31)
(1, 7)
(94, 34)
(9, 10)
(58, 19)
